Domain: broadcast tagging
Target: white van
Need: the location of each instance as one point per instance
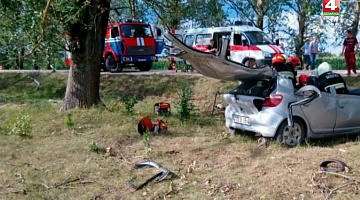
(246, 40)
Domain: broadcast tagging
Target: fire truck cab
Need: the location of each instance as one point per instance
(246, 40)
(129, 43)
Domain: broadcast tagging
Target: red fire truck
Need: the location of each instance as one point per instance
(128, 43)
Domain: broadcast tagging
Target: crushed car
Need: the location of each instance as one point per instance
(268, 104)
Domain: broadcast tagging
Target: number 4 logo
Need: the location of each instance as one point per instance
(331, 7)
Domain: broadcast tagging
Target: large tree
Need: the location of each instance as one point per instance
(308, 19)
(257, 11)
(87, 32)
(348, 19)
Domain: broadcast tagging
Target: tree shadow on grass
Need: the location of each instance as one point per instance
(18, 88)
(143, 86)
(333, 141)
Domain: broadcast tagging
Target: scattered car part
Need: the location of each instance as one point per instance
(162, 175)
(146, 124)
(263, 142)
(218, 106)
(162, 108)
(36, 81)
(324, 166)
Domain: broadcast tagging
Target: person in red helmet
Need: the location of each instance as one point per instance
(283, 68)
(303, 80)
(293, 62)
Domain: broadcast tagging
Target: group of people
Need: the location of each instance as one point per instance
(350, 46)
(326, 79)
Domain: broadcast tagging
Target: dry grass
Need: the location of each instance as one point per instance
(226, 168)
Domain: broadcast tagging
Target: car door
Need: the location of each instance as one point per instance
(321, 113)
(115, 40)
(348, 113)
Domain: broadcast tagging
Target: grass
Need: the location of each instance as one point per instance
(72, 144)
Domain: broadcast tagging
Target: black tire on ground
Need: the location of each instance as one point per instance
(146, 66)
(291, 139)
(111, 64)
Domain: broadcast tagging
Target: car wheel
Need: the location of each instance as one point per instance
(111, 64)
(291, 137)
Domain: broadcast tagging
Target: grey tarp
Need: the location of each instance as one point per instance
(216, 66)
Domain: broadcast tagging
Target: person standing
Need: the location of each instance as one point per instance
(305, 49)
(313, 51)
(350, 46)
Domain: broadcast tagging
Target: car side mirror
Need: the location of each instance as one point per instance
(245, 43)
(308, 91)
(277, 42)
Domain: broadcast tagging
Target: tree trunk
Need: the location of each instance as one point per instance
(355, 23)
(260, 14)
(302, 18)
(87, 42)
(20, 59)
(132, 4)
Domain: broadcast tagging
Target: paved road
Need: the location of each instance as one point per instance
(152, 72)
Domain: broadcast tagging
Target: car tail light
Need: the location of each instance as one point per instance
(273, 101)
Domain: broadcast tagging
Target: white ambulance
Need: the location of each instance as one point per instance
(246, 40)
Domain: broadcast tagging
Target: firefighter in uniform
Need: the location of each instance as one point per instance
(329, 79)
(279, 64)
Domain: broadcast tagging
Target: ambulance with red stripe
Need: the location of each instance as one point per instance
(246, 40)
(128, 43)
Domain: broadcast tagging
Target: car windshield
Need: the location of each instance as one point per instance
(258, 37)
(131, 30)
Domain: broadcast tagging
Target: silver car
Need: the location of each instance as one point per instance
(270, 106)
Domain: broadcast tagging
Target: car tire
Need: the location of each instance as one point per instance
(111, 64)
(288, 138)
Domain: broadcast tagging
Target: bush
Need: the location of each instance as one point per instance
(337, 63)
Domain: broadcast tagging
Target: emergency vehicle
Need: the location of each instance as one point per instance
(172, 59)
(128, 42)
(246, 40)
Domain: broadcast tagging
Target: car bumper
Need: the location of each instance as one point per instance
(265, 122)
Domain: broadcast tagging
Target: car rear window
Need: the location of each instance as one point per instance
(258, 88)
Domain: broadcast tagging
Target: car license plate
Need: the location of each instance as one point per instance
(142, 60)
(241, 120)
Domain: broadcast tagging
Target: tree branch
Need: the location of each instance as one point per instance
(42, 33)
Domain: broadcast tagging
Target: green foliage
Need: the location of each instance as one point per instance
(69, 121)
(93, 147)
(184, 106)
(337, 63)
(20, 125)
(146, 140)
(129, 102)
